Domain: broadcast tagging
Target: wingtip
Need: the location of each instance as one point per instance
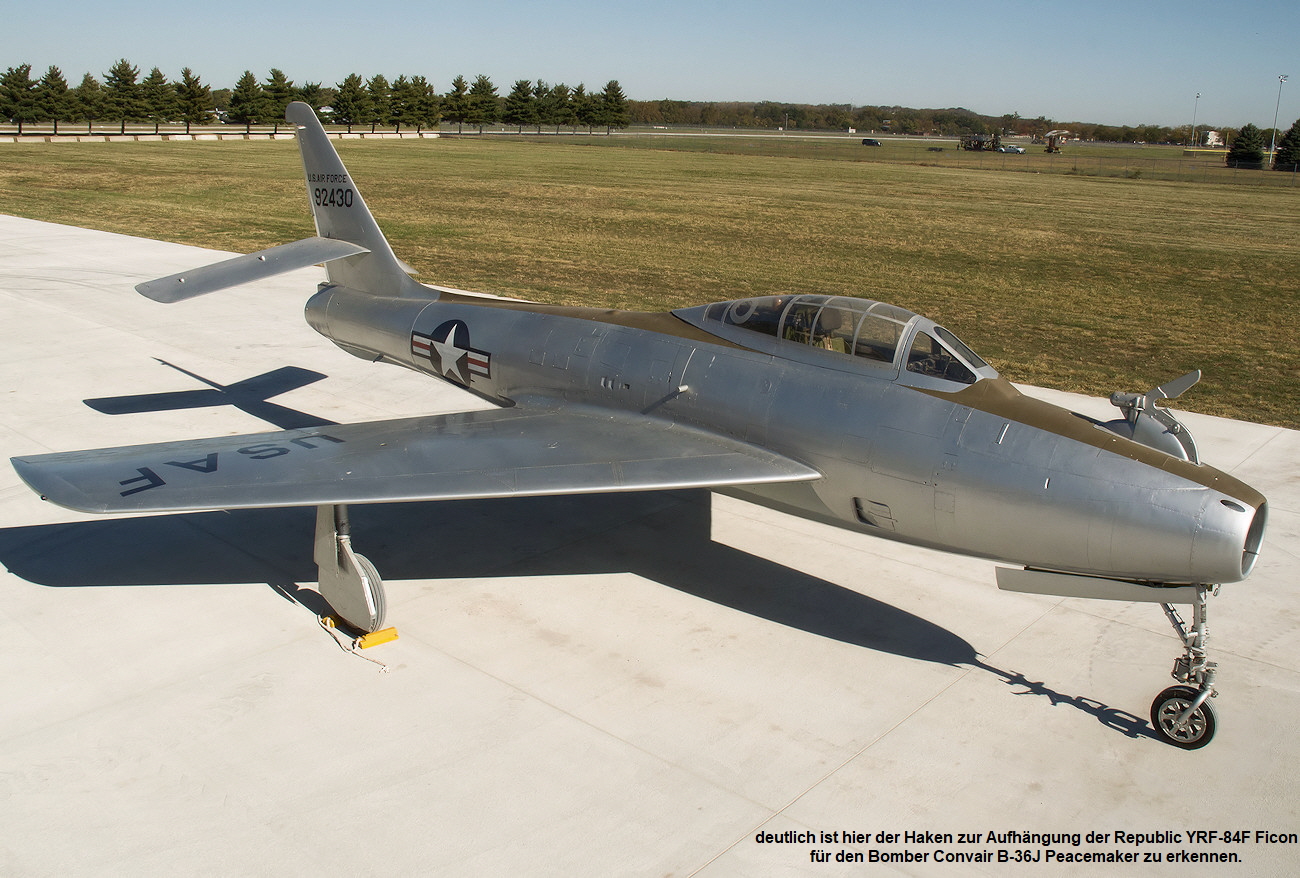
(166, 290)
(29, 474)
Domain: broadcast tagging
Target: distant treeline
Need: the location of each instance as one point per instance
(952, 122)
(407, 102)
(413, 102)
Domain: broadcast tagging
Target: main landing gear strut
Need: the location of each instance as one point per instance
(1182, 715)
(348, 581)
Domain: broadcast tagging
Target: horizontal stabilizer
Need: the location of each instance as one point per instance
(243, 269)
(495, 453)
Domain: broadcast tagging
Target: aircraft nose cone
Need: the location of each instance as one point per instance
(1177, 534)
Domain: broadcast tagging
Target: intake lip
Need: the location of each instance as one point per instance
(1254, 539)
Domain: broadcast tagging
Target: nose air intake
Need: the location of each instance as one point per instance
(1254, 538)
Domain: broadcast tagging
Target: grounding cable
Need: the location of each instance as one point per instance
(353, 647)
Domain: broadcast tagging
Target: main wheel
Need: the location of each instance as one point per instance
(376, 593)
(1169, 705)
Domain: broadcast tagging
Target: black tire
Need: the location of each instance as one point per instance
(376, 593)
(1168, 705)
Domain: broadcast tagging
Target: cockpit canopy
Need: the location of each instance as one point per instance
(863, 331)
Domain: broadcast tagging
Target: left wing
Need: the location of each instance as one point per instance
(495, 453)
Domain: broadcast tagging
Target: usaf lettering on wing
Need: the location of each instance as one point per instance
(209, 463)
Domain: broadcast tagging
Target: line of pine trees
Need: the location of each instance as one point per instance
(122, 97)
(407, 102)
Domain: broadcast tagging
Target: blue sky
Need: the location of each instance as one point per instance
(1111, 62)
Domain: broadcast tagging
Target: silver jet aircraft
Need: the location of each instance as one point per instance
(842, 410)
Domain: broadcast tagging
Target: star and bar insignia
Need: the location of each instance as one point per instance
(448, 349)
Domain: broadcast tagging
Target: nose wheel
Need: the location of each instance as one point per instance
(1182, 715)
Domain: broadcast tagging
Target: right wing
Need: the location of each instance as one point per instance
(495, 453)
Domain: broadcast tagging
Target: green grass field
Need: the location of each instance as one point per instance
(1078, 281)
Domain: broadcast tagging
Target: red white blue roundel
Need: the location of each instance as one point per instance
(448, 349)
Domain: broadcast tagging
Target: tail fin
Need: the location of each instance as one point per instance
(341, 213)
(348, 242)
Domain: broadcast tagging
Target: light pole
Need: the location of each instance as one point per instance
(1196, 106)
(1281, 79)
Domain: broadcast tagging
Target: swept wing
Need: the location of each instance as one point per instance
(495, 453)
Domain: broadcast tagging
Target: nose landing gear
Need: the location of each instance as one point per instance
(1182, 715)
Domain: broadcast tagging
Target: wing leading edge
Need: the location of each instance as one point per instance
(467, 455)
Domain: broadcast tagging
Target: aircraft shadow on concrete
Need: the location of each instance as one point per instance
(663, 536)
(251, 396)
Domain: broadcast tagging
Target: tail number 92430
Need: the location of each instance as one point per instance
(332, 197)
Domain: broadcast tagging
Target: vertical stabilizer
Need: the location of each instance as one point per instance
(341, 213)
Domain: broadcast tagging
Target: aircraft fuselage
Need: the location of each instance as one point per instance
(973, 468)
